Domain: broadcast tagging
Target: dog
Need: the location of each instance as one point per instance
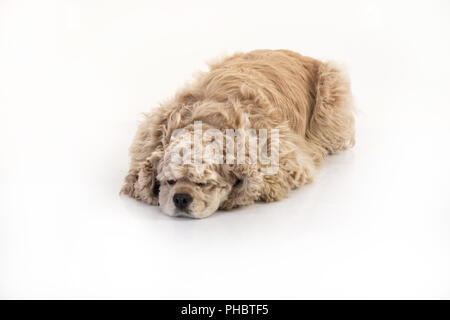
(304, 106)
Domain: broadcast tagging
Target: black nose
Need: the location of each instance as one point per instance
(182, 200)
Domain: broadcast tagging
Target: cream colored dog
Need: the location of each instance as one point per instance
(304, 104)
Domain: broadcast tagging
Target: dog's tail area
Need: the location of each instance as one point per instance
(332, 123)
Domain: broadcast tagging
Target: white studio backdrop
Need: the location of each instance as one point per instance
(75, 77)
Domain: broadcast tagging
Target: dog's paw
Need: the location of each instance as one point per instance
(128, 186)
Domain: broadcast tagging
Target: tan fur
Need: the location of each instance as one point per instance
(307, 100)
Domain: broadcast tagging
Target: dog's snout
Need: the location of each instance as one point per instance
(182, 200)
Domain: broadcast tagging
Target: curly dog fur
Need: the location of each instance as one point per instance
(307, 100)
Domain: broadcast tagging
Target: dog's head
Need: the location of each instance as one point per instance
(188, 187)
(185, 185)
(208, 180)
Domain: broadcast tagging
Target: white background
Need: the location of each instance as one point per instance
(74, 78)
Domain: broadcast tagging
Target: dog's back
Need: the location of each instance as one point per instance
(284, 77)
(313, 96)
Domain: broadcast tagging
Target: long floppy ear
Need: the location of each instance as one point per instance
(148, 146)
(145, 152)
(147, 186)
(247, 187)
(241, 165)
(141, 183)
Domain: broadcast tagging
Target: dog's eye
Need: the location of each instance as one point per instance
(201, 184)
(171, 182)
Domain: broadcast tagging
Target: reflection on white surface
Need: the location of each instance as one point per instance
(76, 76)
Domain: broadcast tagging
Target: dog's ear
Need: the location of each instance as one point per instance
(248, 183)
(141, 183)
(241, 163)
(147, 185)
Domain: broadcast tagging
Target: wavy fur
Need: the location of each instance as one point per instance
(307, 100)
